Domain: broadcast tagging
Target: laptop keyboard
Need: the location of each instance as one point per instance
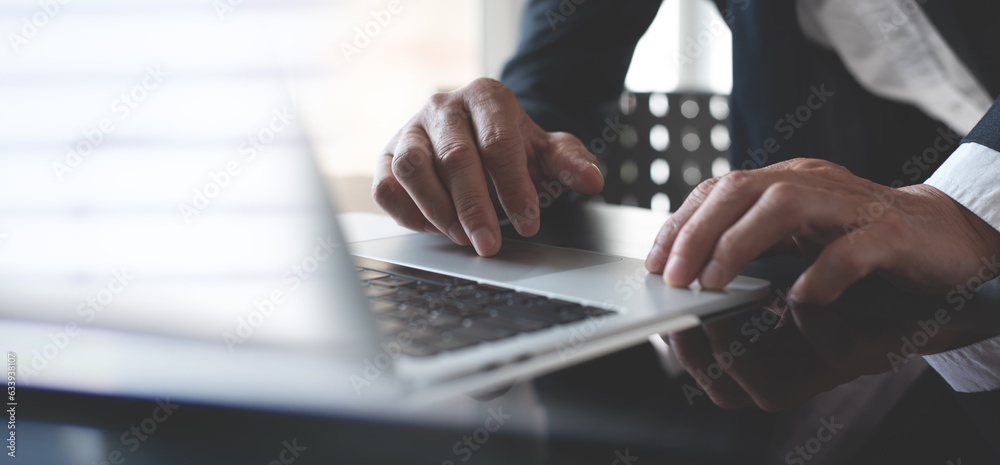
(442, 313)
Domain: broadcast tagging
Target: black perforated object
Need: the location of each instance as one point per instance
(643, 162)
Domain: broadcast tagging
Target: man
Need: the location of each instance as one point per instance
(891, 84)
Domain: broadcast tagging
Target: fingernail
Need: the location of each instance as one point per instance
(712, 276)
(653, 262)
(484, 240)
(675, 272)
(516, 222)
(588, 166)
(597, 170)
(457, 234)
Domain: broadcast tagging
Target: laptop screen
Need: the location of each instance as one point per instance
(195, 243)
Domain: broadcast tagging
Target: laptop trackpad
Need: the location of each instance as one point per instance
(516, 261)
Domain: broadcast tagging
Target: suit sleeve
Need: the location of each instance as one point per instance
(571, 61)
(971, 176)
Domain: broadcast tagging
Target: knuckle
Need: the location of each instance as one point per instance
(384, 190)
(735, 179)
(488, 85)
(687, 235)
(847, 259)
(670, 229)
(806, 163)
(567, 139)
(728, 243)
(818, 166)
(730, 189)
(406, 162)
(489, 93)
(701, 191)
(455, 156)
(514, 190)
(782, 193)
(439, 100)
(471, 209)
(500, 142)
(832, 171)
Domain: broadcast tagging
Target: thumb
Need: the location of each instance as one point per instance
(567, 160)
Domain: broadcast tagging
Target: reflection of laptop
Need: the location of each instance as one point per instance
(257, 296)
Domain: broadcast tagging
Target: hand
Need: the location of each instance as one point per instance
(807, 352)
(917, 236)
(466, 149)
(779, 356)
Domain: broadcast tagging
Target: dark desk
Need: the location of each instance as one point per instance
(620, 409)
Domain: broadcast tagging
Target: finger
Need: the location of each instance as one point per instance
(568, 161)
(494, 113)
(694, 351)
(849, 349)
(783, 210)
(458, 165)
(393, 199)
(844, 261)
(731, 197)
(413, 166)
(826, 331)
(657, 257)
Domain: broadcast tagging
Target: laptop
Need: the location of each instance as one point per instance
(458, 319)
(260, 292)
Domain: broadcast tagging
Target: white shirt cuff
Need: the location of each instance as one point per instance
(971, 176)
(974, 368)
